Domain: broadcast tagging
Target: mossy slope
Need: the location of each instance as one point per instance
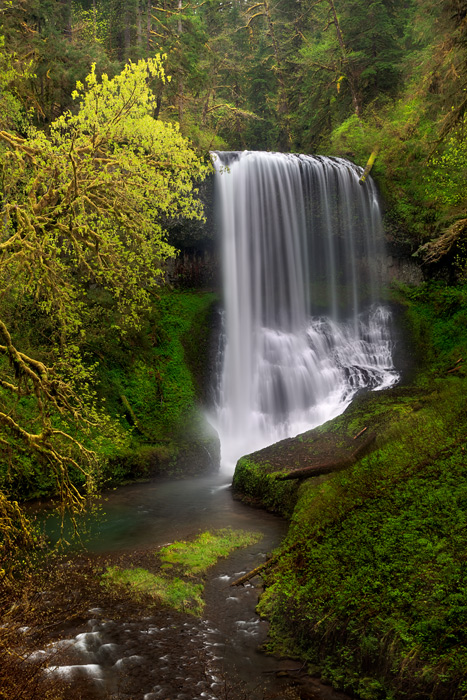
(149, 385)
(370, 585)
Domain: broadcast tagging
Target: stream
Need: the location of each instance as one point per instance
(170, 656)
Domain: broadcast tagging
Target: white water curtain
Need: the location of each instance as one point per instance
(303, 261)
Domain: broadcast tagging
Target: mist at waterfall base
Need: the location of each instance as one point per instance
(304, 328)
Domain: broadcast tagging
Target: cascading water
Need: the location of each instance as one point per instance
(303, 262)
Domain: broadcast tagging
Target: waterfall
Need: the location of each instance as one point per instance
(304, 327)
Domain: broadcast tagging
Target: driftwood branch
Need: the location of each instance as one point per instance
(328, 467)
(457, 366)
(262, 567)
(360, 433)
(434, 250)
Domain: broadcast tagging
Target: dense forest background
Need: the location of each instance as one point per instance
(345, 78)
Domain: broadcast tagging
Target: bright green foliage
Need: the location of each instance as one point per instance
(87, 198)
(178, 594)
(80, 230)
(447, 173)
(13, 73)
(198, 556)
(189, 560)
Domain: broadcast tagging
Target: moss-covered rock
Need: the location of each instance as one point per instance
(263, 478)
(197, 451)
(255, 483)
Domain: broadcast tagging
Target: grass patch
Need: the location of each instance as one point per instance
(174, 592)
(194, 558)
(182, 588)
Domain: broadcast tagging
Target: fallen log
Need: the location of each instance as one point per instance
(254, 572)
(315, 470)
(369, 165)
(457, 365)
(360, 433)
(328, 467)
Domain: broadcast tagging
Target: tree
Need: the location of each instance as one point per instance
(351, 60)
(62, 39)
(80, 213)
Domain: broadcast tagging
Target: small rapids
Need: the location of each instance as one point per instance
(172, 655)
(138, 659)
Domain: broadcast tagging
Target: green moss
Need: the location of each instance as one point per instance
(185, 596)
(148, 385)
(148, 381)
(198, 556)
(180, 586)
(254, 484)
(377, 584)
(436, 318)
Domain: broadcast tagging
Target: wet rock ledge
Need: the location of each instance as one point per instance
(270, 478)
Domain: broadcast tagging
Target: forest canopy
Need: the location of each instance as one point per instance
(315, 76)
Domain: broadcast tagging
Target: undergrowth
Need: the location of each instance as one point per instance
(147, 380)
(370, 587)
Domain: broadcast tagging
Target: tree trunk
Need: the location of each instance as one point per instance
(148, 25)
(94, 20)
(350, 75)
(328, 467)
(139, 24)
(180, 82)
(66, 16)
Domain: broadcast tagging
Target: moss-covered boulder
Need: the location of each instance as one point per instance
(270, 477)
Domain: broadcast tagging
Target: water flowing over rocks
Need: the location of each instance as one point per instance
(304, 265)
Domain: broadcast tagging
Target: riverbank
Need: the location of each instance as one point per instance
(123, 641)
(369, 587)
